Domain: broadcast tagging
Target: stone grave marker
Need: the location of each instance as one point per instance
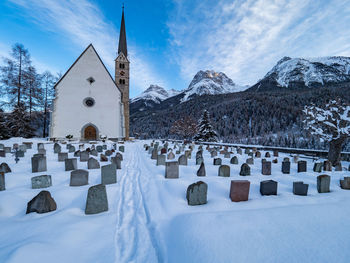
(182, 160)
(108, 153)
(224, 171)
(275, 160)
(7, 149)
(201, 170)
(245, 170)
(163, 151)
(28, 145)
(338, 167)
(109, 174)
(77, 153)
(84, 156)
(5, 168)
(20, 154)
(227, 155)
(268, 187)
(41, 203)
(96, 201)
(117, 162)
(239, 151)
(267, 155)
(323, 182)
(94, 152)
(197, 193)
(234, 160)
(275, 153)
(250, 161)
(104, 146)
(258, 154)
(22, 148)
(2, 153)
(39, 164)
(42, 151)
(41, 181)
(71, 149)
(286, 167)
(79, 178)
(317, 167)
(199, 160)
(302, 165)
(246, 151)
(217, 161)
(172, 170)
(121, 148)
(93, 163)
(295, 158)
(154, 154)
(99, 148)
(327, 166)
(213, 154)
(2, 181)
(103, 158)
(62, 156)
(2, 146)
(345, 183)
(56, 148)
(239, 190)
(161, 159)
(286, 159)
(299, 188)
(266, 168)
(41, 146)
(70, 164)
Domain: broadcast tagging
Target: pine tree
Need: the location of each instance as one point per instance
(19, 122)
(4, 131)
(206, 132)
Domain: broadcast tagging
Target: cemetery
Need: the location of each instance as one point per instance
(167, 192)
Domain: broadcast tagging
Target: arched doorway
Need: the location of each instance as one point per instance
(90, 133)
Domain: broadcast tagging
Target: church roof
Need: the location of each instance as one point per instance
(78, 60)
(122, 38)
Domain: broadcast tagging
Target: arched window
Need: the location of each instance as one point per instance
(121, 65)
(120, 81)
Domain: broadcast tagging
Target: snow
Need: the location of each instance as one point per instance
(149, 219)
(155, 94)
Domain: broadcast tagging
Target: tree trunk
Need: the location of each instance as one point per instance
(335, 147)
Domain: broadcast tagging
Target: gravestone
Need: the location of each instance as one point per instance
(93, 163)
(41, 146)
(302, 166)
(121, 148)
(41, 181)
(267, 155)
(163, 151)
(117, 162)
(56, 148)
(2, 153)
(28, 145)
(234, 160)
(42, 151)
(217, 161)
(246, 151)
(41, 203)
(327, 166)
(227, 155)
(62, 156)
(160, 159)
(99, 148)
(239, 151)
(266, 168)
(286, 159)
(345, 183)
(317, 167)
(182, 160)
(103, 158)
(275, 160)
(154, 154)
(150, 150)
(108, 153)
(104, 146)
(71, 149)
(199, 154)
(323, 182)
(213, 154)
(22, 148)
(295, 158)
(79, 177)
(2, 181)
(197, 193)
(199, 160)
(245, 170)
(96, 201)
(84, 156)
(257, 154)
(250, 161)
(188, 154)
(201, 170)
(239, 190)
(268, 187)
(338, 167)
(299, 188)
(7, 149)
(224, 171)
(172, 170)
(286, 167)
(109, 174)
(275, 153)
(39, 155)
(119, 156)
(70, 164)
(20, 154)
(77, 153)
(94, 153)
(38, 164)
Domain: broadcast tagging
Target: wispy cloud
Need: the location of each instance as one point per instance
(245, 39)
(82, 22)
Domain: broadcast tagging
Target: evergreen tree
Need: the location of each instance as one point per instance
(206, 132)
(4, 131)
(19, 122)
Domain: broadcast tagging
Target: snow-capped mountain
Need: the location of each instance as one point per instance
(211, 83)
(155, 94)
(301, 73)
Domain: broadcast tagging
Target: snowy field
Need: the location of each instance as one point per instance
(149, 219)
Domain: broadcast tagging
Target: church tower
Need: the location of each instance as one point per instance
(122, 73)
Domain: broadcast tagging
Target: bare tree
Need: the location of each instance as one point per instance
(48, 82)
(331, 123)
(185, 127)
(33, 89)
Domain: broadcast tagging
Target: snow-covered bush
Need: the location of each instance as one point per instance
(206, 133)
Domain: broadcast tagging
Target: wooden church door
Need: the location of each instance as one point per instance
(90, 133)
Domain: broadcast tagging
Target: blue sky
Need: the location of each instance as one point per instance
(169, 41)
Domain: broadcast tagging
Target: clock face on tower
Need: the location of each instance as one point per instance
(122, 73)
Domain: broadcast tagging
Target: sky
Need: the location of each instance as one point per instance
(169, 41)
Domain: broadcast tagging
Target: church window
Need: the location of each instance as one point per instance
(121, 81)
(91, 80)
(121, 65)
(89, 102)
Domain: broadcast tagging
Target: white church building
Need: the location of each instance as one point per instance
(89, 103)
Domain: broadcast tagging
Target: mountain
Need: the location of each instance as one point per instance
(300, 73)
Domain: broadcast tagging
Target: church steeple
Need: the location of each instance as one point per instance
(122, 37)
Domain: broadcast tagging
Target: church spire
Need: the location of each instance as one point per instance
(122, 37)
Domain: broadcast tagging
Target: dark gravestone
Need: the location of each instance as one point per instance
(239, 190)
(119, 156)
(286, 167)
(96, 201)
(99, 148)
(42, 203)
(327, 166)
(317, 167)
(71, 149)
(239, 151)
(163, 151)
(38, 164)
(41, 181)
(201, 170)
(250, 161)
(56, 148)
(345, 184)
(84, 156)
(199, 154)
(93, 163)
(104, 147)
(171, 170)
(103, 158)
(199, 160)
(266, 168)
(258, 155)
(275, 153)
(117, 161)
(267, 155)
(108, 153)
(7, 149)
(161, 159)
(182, 160)
(245, 170)
(109, 174)
(4, 168)
(79, 177)
(188, 154)
(94, 152)
(20, 154)
(301, 166)
(286, 159)
(234, 160)
(121, 148)
(77, 153)
(62, 157)
(323, 182)
(268, 187)
(275, 160)
(299, 188)
(197, 193)
(217, 161)
(227, 155)
(246, 151)
(2, 153)
(2, 181)
(224, 171)
(70, 164)
(338, 167)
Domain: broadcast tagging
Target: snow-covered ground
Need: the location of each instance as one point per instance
(149, 219)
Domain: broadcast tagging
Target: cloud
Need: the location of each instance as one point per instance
(81, 23)
(245, 39)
